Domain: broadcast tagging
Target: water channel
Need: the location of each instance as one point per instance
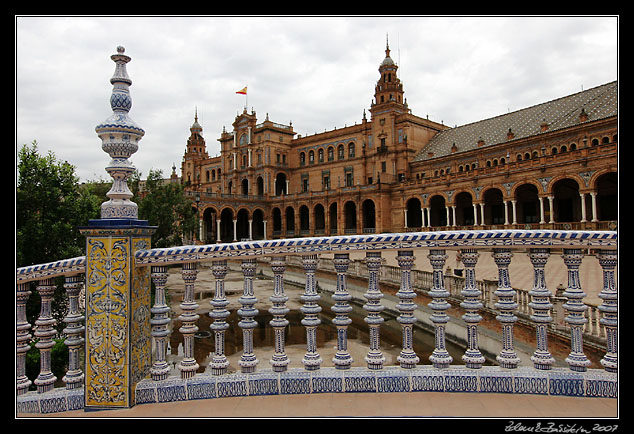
(295, 333)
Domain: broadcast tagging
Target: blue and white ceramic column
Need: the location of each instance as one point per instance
(279, 361)
(248, 361)
(576, 309)
(22, 338)
(472, 357)
(407, 357)
(506, 305)
(160, 324)
(188, 365)
(310, 309)
(375, 357)
(541, 305)
(219, 313)
(44, 332)
(341, 308)
(440, 357)
(74, 330)
(609, 308)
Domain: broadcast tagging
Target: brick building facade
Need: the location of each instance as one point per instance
(553, 165)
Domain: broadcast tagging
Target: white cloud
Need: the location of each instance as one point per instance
(318, 72)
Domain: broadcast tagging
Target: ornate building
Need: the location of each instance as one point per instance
(553, 165)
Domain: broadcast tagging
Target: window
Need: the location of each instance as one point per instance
(350, 150)
(349, 179)
(304, 185)
(325, 181)
(320, 155)
(383, 166)
(331, 153)
(311, 157)
(302, 159)
(340, 151)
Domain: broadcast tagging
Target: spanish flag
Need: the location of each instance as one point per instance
(242, 91)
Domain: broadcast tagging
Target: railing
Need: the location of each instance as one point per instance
(538, 376)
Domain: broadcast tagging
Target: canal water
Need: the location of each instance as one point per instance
(295, 332)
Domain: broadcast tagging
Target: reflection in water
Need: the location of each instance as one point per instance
(295, 334)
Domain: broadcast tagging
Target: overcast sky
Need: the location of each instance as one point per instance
(316, 72)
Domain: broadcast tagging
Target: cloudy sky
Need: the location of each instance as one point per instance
(316, 72)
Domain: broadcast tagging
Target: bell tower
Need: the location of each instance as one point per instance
(388, 92)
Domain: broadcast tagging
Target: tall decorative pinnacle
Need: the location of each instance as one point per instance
(120, 137)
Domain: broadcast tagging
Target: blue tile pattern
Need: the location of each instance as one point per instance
(488, 379)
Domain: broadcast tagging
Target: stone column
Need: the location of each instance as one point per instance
(583, 207)
(541, 211)
(279, 360)
(507, 305)
(342, 359)
(541, 305)
(609, 308)
(310, 309)
(188, 366)
(219, 313)
(374, 358)
(575, 308)
(248, 361)
(217, 230)
(45, 331)
(440, 357)
(552, 209)
(595, 217)
(74, 377)
(235, 232)
(514, 203)
(475, 214)
(472, 357)
(407, 358)
(160, 321)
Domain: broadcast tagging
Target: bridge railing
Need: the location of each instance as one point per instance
(414, 373)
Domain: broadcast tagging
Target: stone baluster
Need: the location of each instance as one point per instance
(74, 378)
(22, 338)
(541, 305)
(44, 332)
(506, 305)
(472, 357)
(342, 359)
(609, 308)
(219, 313)
(310, 309)
(407, 358)
(248, 361)
(375, 357)
(279, 361)
(188, 366)
(160, 324)
(440, 357)
(575, 308)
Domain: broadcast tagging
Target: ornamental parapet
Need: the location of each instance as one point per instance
(536, 374)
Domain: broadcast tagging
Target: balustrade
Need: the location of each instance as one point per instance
(537, 302)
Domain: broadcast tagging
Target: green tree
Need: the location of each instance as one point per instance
(50, 206)
(166, 206)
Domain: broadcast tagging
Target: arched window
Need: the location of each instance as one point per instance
(350, 150)
(331, 153)
(320, 155)
(340, 152)
(302, 159)
(311, 157)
